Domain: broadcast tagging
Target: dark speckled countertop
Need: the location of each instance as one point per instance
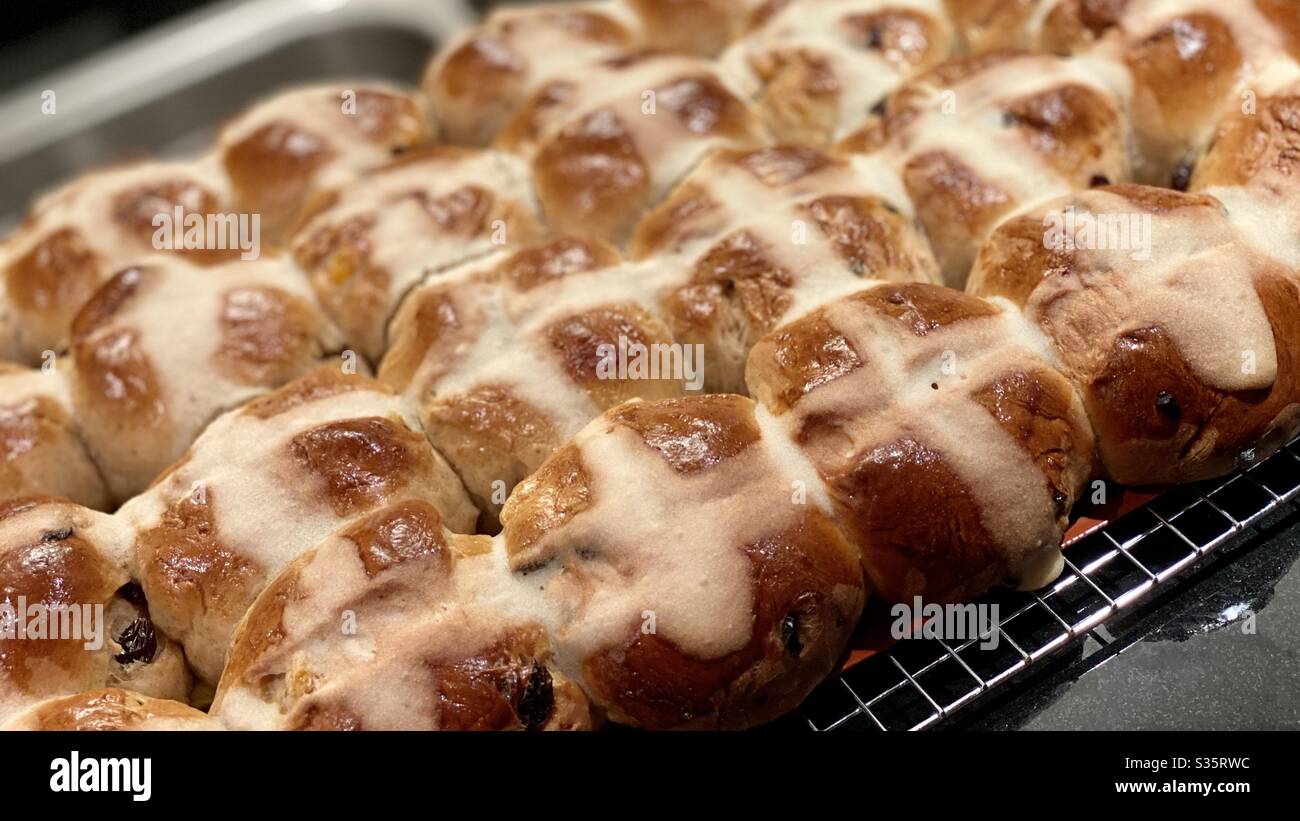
(1189, 660)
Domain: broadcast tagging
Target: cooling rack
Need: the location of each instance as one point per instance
(923, 683)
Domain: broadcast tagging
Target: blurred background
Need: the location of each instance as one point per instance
(92, 83)
(52, 33)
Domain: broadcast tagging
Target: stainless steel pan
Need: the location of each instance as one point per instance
(161, 93)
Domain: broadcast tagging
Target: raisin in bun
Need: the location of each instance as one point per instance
(391, 623)
(110, 709)
(981, 137)
(1183, 343)
(1191, 63)
(477, 82)
(605, 144)
(509, 356)
(814, 70)
(76, 237)
(771, 233)
(84, 623)
(266, 482)
(951, 446)
(367, 243)
(162, 349)
(42, 450)
(692, 572)
(297, 142)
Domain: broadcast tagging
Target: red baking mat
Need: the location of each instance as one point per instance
(873, 636)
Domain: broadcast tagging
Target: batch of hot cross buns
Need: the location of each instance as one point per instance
(604, 377)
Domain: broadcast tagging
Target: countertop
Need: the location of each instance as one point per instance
(1219, 651)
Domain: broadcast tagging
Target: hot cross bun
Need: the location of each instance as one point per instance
(266, 482)
(71, 618)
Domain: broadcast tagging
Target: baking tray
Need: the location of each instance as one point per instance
(161, 93)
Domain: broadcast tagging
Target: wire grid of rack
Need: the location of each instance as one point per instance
(919, 683)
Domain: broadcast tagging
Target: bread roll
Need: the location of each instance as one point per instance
(608, 142)
(162, 349)
(78, 236)
(1253, 168)
(265, 483)
(478, 80)
(509, 356)
(1058, 26)
(692, 571)
(42, 452)
(1180, 335)
(1192, 62)
(366, 244)
(110, 709)
(702, 27)
(814, 70)
(288, 146)
(395, 623)
(979, 138)
(951, 446)
(772, 233)
(71, 619)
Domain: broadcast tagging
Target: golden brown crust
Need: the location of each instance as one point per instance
(607, 144)
(1259, 148)
(361, 461)
(821, 230)
(41, 447)
(277, 154)
(693, 26)
(320, 383)
(652, 648)
(301, 462)
(186, 567)
(969, 154)
(559, 490)
(97, 630)
(55, 568)
(585, 322)
(162, 349)
(478, 81)
(267, 336)
(54, 278)
(814, 73)
(365, 245)
(78, 236)
(110, 709)
(863, 389)
(1170, 401)
(592, 178)
(580, 339)
(1157, 422)
(652, 683)
(398, 533)
(440, 654)
(1184, 74)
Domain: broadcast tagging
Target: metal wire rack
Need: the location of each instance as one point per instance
(920, 683)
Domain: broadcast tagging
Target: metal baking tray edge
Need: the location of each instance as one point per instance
(161, 92)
